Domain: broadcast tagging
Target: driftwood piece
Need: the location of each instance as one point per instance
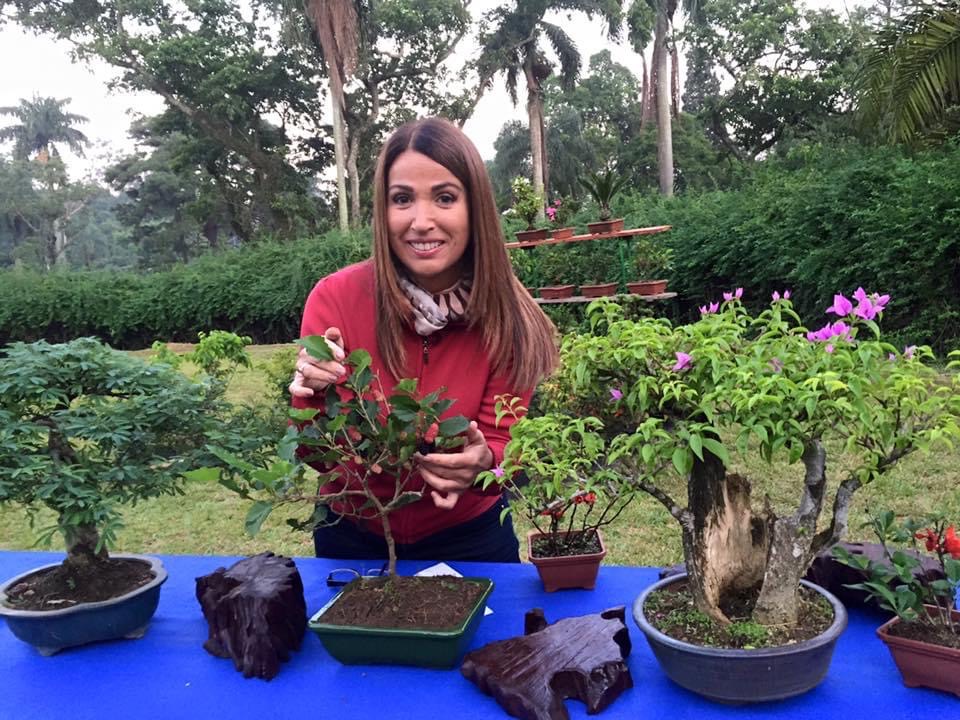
(256, 613)
(580, 657)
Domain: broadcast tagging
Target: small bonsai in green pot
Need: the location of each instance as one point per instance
(85, 429)
(362, 443)
(603, 188)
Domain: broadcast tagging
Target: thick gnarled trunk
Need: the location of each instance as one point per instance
(82, 541)
(724, 543)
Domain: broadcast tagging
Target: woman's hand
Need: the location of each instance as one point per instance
(451, 475)
(314, 375)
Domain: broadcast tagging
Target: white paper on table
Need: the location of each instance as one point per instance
(442, 568)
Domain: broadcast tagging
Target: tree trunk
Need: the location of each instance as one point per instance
(725, 545)
(674, 82)
(664, 126)
(647, 101)
(81, 542)
(536, 150)
(354, 179)
(791, 546)
(340, 154)
(544, 158)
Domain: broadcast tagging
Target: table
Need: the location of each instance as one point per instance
(168, 674)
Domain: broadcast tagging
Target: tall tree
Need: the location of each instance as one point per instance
(511, 44)
(41, 124)
(909, 87)
(337, 32)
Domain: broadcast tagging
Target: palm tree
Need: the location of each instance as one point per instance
(42, 124)
(513, 48)
(911, 77)
(663, 74)
(337, 30)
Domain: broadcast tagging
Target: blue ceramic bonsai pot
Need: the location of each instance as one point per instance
(50, 631)
(743, 676)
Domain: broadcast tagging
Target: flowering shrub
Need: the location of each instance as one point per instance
(683, 399)
(361, 433)
(900, 584)
(561, 211)
(557, 478)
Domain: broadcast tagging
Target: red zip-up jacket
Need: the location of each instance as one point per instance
(453, 358)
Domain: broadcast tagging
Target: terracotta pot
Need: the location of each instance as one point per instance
(556, 292)
(924, 664)
(647, 287)
(529, 235)
(563, 233)
(603, 227)
(599, 290)
(730, 675)
(571, 571)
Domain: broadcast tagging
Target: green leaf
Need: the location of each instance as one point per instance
(204, 474)
(696, 444)
(717, 448)
(316, 346)
(453, 426)
(407, 385)
(256, 515)
(303, 414)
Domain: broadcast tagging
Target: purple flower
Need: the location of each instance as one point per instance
(616, 394)
(736, 294)
(683, 361)
(776, 364)
(709, 309)
(891, 357)
(786, 294)
(908, 351)
(829, 348)
(498, 471)
(776, 295)
(839, 329)
(841, 306)
(551, 212)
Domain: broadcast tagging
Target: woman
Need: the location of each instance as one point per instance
(439, 302)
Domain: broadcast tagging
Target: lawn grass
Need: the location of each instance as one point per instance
(208, 519)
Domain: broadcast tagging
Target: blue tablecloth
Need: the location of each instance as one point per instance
(168, 674)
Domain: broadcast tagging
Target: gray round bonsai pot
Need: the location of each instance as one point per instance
(50, 631)
(743, 676)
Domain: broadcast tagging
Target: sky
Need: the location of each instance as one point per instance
(43, 65)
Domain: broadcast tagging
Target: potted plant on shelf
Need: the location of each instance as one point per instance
(597, 286)
(556, 476)
(528, 205)
(652, 260)
(924, 635)
(603, 188)
(360, 433)
(680, 400)
(85, 429)
(559, 213)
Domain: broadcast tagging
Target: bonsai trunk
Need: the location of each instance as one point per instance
(82, 541)
(724, 543)
(792, 546)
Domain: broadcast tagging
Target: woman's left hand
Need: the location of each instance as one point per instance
(450, 475)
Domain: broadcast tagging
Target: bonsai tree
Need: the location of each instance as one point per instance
(85, 429)
(557, 478)
(603, 188)
(527, 204)
(361, 433)
(652, 259)
(682, 400)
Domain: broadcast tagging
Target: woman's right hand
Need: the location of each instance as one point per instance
(314, 375)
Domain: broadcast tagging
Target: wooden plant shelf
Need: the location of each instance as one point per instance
(591, 236)
(619, 296)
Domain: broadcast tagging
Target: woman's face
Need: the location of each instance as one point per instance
(428, 220)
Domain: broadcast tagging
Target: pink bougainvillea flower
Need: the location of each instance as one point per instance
(683, 361)
(841, 306)
(829, 347)
(616, 394)
(776, 295)
(736, 294)
(551, 212)
(709, 309)
(786, 294)
(498, 471)
(891, 357)
(908, 351)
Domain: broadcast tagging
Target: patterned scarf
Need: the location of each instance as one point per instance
(432, 312)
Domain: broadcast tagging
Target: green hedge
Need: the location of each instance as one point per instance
(257, 291)
(819, 221)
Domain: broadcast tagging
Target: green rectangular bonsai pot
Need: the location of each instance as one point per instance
(353, 645)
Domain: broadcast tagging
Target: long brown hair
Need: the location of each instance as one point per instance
(517, 336)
